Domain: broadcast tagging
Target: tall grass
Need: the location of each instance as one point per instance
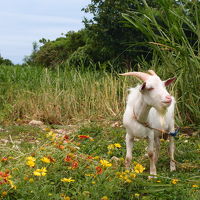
(60, 96)
(69, 96)
(173, 32)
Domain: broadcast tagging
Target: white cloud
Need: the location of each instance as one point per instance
(21, 17)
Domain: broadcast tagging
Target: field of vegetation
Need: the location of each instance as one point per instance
(72, 85)
(79, 152)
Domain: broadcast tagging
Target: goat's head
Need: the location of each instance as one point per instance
(153, 89)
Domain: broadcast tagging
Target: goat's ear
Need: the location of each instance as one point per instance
(169, 81)
(143, 86)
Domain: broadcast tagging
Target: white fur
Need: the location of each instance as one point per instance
(146, 106)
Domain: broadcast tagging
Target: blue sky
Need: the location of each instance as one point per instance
(24, 21)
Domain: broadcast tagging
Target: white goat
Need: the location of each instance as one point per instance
(149, 113)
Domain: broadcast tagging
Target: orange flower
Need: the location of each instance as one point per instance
(66, 137)
(68, 158)
(4, 159)
(61, 147)
(99, 170)
(83, 136)
(90, 157)
(74, 165)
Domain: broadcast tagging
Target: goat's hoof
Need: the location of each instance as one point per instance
(172, 166)
(127, 163)
(152, 177)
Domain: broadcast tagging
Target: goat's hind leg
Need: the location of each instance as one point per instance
(171, 153)
(129, 147)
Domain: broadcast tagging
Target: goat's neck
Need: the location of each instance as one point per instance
(141, 109)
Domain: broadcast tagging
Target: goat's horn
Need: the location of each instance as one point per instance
(141, 75)
(152, 72)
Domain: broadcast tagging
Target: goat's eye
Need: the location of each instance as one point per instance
(149, 89)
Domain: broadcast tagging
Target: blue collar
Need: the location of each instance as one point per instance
(174, 133)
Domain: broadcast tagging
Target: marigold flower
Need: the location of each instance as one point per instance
(30, 161)
(4, 193)
(4, 159)
(99, 170)
(117, 145)
(104, 198)
(31, 180)
(174, 181)
(66, 137)
(132, 175)
(90, 175)
(195, 186)
(45, 159)
(137, 195)
(68, 158)
(61, 147)
(74, 165)
(90, 157)
(66, 198)
(83, 136)
(67, 180)
(11, 184)
(139, 168)
(111, 146)
(51, 135)
(31, 158)
(40, 172)
(105, 163)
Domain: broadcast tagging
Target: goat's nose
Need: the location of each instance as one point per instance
(168, 98)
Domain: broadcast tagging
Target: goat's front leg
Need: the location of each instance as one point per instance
(129, 146)
(151, 154)
(171, 153)
(157, 148)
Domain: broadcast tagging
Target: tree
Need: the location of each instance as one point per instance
(53, 53)
(5, 61)
(109, 34)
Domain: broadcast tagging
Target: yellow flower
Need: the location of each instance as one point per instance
(139, 168)
(40, 172)
(117, 145)
(137, 195)
(31, 180)
(30, 161)
(12, 185)
(132, 175)
(195, 186)
(174, 181)
(36, 173)
(111, 146)
(105, 163)
(4, 193)
(90, 175)
(51, 135)
(104, 198)
(66, 198)
(45, 160)
(31, 158)
(67, 180)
